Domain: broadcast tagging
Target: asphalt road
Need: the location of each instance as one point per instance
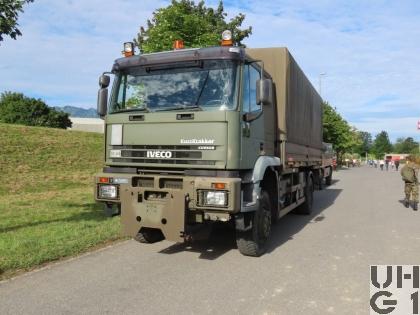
(316, 264)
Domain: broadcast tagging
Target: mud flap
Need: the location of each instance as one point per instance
(166, 213)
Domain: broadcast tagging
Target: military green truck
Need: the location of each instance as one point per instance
(219, 134)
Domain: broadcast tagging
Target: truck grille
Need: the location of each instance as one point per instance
(178, 154)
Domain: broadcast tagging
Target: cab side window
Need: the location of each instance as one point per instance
(249, 94)
(245, 90)
(254, 75)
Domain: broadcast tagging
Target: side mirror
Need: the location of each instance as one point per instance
(102, 101)
(264, 91)
(104, 81)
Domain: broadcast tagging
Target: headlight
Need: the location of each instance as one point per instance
(215, 198)
(107, 192)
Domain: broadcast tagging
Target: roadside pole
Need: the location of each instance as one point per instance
(418, 128)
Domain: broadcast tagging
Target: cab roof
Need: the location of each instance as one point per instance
(181, 55)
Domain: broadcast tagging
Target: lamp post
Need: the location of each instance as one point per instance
(418, 128)
(320, 82)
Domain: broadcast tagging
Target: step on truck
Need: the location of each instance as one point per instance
(205, 135)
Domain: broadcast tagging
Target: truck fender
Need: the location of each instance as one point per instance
(263, 162)
(261, 165)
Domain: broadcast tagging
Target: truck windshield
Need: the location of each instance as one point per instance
(209, 85)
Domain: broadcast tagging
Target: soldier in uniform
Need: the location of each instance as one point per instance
(410, 174)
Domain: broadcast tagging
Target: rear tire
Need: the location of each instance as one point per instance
(328, 179)
(253, 242)
(321, 181)
(306, 207)
(148, 235)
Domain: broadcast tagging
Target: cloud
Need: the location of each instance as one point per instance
(369, 50)
(66, 45)
(401, 127)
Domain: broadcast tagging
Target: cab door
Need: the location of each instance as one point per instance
(252, 124)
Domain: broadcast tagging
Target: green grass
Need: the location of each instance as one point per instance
(47, 210)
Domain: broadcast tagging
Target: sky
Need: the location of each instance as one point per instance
(368, 51)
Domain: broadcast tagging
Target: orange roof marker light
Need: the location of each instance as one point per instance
(178, 44)
(218, 185)
(128, 49)
(227, 38)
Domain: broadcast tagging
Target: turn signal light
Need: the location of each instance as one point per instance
(104, 180)
(178, 44)
(218, 185)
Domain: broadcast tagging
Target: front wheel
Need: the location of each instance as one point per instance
(253, 242)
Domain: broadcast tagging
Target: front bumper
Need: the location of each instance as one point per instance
(168, 202)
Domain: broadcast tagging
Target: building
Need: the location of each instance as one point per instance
(87, 124)
(395, 156)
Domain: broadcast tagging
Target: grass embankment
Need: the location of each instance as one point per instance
(47, 209)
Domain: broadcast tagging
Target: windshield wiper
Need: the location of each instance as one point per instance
(180, 107)
(202, 88)
(140, 109)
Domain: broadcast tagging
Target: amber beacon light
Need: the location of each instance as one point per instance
(227, 38)
(128, 49)
(178, 44)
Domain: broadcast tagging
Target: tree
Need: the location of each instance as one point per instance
(406, 145)
(336, 130)
(398, 145)
(9, 10)
(195, 24)
(365, 143)
(355, 141)
(381, 145)
(15, 108)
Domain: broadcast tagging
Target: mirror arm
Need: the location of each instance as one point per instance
(247, 117)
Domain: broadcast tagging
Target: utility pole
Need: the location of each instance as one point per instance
(320, 82)
(418, 128)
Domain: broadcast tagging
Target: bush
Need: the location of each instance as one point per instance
(16, 108)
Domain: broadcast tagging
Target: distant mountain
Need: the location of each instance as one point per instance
(78, 112)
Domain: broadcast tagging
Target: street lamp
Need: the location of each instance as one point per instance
(418, 128)
(320, 82)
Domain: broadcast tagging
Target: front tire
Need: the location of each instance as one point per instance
(253, 242)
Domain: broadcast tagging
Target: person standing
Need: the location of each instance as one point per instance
(397, 164)
(381, 164)
(387, 164)
(410, 176)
